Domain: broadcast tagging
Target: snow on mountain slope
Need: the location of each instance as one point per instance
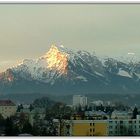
(52, 64)
(124, 73)
(79, 70)
(59, 62)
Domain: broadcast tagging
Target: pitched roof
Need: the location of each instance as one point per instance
(6, 103)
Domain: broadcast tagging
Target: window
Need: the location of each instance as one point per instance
(90, 124)
(90, 130)
(93, 129)
(121, 122)
(110, 127)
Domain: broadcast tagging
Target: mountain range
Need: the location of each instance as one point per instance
(64, 71)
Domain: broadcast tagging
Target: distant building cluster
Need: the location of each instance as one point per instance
(97, 118)
(109, 127)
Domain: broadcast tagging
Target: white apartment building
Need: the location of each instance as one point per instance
(120, 127)
(79, 100)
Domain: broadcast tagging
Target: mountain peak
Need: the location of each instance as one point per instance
(56, 59)
(78, 71)
(53, 47)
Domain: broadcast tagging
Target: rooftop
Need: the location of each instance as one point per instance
(6, 103)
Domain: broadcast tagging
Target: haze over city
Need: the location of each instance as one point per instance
(27, 31)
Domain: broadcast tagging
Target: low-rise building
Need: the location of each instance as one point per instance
(38, 113)
(109, 127)
(7, 108)
(97, 103)
(86, 128)
(77, 117)
(96, 115)
(124, 127)
(121, 115)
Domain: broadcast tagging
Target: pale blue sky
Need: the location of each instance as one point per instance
(27, 30)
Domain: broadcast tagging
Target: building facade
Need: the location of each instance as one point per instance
(79, 100)
(86, 128)
(121, 115)
(7, 108)
(124, 127)
(109, 127)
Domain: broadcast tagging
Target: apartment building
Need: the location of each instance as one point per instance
(7, 108)
(124, 127)
(79, 100)
(86, 128)
(109, 127)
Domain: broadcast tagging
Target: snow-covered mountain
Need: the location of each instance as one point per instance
(62, 70)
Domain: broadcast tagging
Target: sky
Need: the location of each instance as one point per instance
(28, 30)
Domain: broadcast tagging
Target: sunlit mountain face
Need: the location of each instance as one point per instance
(56, 60)
(62, 70)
